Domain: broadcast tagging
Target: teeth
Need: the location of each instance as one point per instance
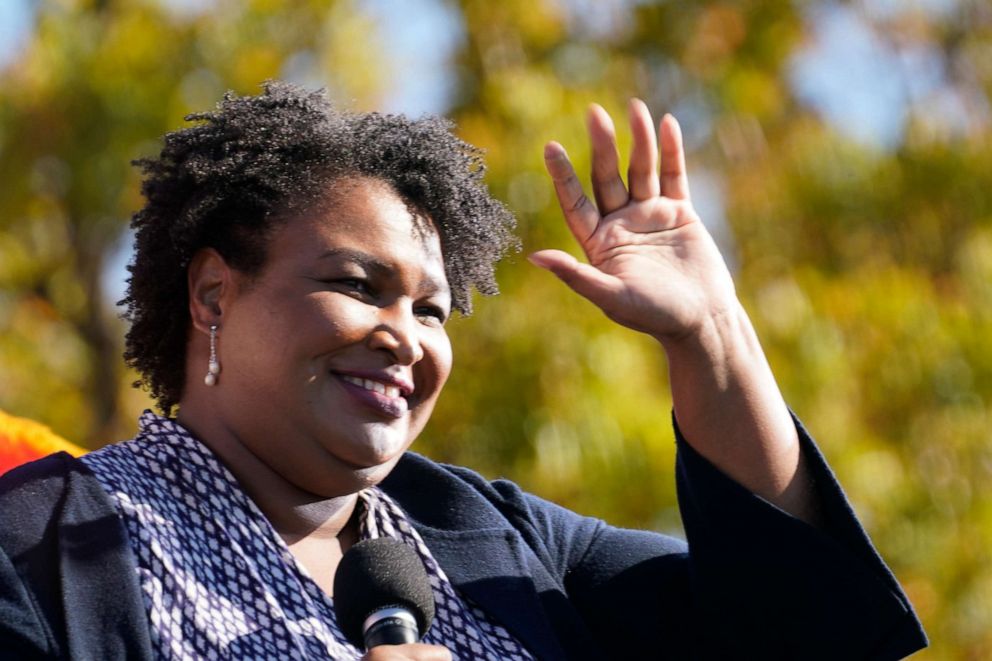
(374, 386)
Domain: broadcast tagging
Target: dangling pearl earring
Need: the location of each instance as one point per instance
(213, 367)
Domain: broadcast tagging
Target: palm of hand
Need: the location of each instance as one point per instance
(652, 265)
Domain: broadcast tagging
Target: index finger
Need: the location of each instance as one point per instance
(580, 213)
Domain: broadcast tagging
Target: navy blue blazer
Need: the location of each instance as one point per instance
(751, 583)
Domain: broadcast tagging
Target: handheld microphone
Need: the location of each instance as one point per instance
(382, 595)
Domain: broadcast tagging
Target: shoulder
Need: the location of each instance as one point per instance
(454, 497)
(30, 491)
(55, 465)
(64, 551)
(444, 495)
(44, 506)
(57, 488)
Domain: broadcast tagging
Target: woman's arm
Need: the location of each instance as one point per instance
(653, 267)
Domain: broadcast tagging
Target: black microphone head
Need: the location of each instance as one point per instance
(376, 574)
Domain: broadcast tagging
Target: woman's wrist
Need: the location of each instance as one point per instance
(723, 339)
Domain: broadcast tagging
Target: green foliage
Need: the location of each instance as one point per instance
(867, 272)
(96, 86)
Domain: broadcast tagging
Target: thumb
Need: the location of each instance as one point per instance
(584, 279)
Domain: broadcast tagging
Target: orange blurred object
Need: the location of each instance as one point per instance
(23, 440)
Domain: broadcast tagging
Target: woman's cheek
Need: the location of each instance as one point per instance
(440, 354)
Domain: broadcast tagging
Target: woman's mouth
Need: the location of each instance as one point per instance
(375, 386)
(387, 398)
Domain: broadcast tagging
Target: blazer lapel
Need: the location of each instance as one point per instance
(491, 568)
(484, 557)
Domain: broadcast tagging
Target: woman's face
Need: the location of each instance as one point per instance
(333, 356)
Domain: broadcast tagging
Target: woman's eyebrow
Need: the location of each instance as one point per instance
(363, 259)
(433, 287)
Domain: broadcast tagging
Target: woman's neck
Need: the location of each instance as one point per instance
(294, 513)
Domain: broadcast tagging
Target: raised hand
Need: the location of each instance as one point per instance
(652, 266)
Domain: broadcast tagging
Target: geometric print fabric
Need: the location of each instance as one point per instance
(459, 625)
(219, 583)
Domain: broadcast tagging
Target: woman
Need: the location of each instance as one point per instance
(293, 273)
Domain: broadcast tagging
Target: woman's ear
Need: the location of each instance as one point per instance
(209, 280)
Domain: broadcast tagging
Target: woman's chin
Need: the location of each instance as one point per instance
(362, 460)
(371, 455)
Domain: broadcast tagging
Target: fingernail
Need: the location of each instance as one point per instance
(536, 260)
(554, 150)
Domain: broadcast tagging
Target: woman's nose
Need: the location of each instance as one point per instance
(398, 333)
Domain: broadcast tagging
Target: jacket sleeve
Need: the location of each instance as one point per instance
(782, 587)
(753, 581)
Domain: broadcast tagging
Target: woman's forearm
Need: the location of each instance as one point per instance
(729, 408)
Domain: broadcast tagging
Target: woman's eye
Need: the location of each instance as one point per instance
(431, 312)
(351, 285)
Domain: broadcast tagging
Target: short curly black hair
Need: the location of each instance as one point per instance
(227, 181)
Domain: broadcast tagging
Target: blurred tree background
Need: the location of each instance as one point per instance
(841, 152)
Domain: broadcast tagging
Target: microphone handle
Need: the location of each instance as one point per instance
(390, 626)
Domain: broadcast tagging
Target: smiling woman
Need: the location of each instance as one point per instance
(355, 292)
(293, 273)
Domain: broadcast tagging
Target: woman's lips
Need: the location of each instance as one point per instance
(385, 398)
